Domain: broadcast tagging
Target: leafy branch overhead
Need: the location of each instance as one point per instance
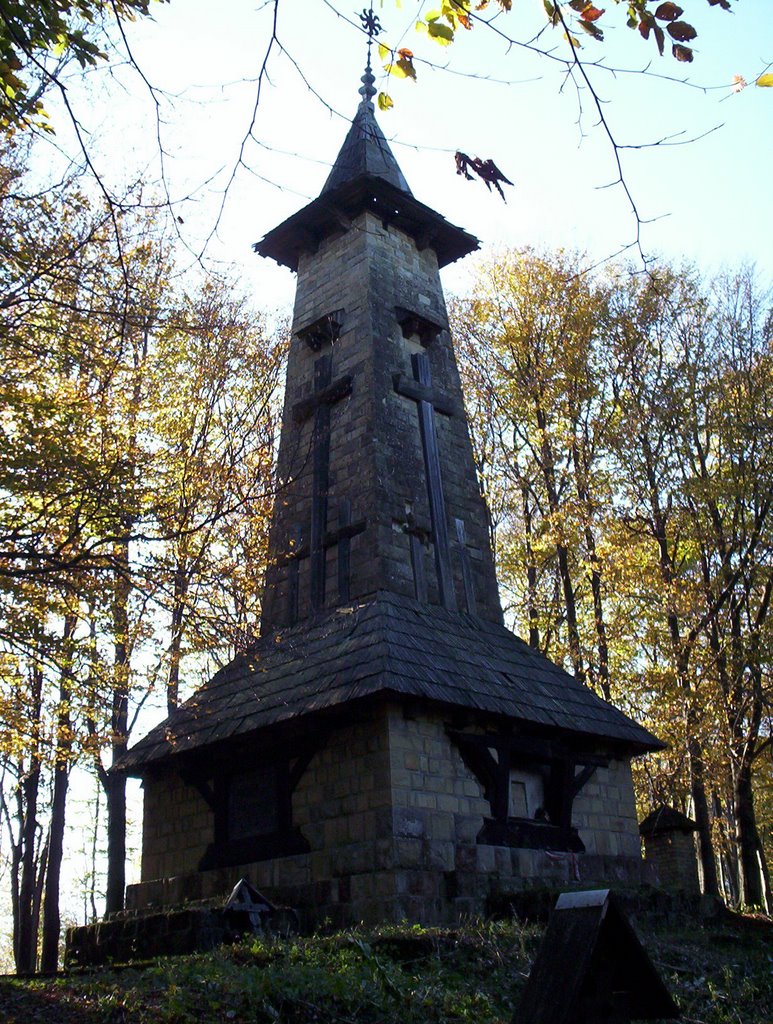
(661, 23)
(33, 30)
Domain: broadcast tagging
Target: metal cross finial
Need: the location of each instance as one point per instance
(371, 25)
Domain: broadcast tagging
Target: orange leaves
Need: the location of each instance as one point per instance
(586, 10)
(591, 13)
(588, 16)
(657, 20)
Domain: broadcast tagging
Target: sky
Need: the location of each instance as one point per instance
(705, 195)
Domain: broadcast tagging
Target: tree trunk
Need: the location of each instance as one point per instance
(49, 959)
(681, 652)
(748, 839)
(27, 938)
(598, 615)
(175, 644)
(702, 816)
(116, 842)
(548, 466)
(115, 788)
(26, 932)
(581, 477)
(531, 570)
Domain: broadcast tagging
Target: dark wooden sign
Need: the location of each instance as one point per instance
(592, 969)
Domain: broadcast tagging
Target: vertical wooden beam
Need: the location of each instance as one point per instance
(559, 791)
(344, 520)
(437, 505)
(417, 564)
(320, 482)
(500, 805)
(293, 573)
(464, 559)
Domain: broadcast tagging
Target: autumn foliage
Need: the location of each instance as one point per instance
(622, 426)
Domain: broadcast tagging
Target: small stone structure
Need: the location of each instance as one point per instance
(386, 749)
(669, 849)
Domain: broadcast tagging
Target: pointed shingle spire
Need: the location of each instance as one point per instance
(365, 150)
(364, 177)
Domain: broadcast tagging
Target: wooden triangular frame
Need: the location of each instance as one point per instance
(592, 969)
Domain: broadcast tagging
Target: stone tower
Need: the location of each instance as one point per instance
(377, 486)
(387, 749)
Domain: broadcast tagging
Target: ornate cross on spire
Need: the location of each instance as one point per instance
(373, 27)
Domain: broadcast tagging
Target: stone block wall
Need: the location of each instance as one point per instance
(376, 460)
(438, 812)
(604, 814)
(401, 275)
(391, 813)
(342, 805)
(177, 827)
(605, 811)
(673, 859)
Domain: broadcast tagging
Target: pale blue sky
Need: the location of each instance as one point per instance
(713, 196)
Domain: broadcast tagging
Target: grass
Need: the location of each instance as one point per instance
(396, 975)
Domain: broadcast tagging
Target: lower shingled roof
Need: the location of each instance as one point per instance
(388, 645)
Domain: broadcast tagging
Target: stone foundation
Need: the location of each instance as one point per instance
(133, 936)
(391, 814)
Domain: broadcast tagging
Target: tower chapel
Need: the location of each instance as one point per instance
(386, 749)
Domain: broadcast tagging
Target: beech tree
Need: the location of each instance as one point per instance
(531, 334)
(651, 407)
(138, 428)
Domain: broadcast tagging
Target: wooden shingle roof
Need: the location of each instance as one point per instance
(666, 819)
(386, 646)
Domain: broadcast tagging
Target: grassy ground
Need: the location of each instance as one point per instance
(401, 975)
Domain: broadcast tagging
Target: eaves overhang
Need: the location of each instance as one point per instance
(334, 212)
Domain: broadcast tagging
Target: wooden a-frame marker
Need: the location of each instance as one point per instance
(592, 969)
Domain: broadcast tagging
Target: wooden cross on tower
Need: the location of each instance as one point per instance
(427, 400)
(326, 393)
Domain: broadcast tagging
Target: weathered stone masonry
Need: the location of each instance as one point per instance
(392, 814)
(365, 276)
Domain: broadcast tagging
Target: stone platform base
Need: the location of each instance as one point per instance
(388, 881)
(137, 935)
(131, 936)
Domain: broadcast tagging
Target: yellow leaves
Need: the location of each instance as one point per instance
(60, 44)
(403, 66)
(441, 25)
(437, 31)
(765, 81)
